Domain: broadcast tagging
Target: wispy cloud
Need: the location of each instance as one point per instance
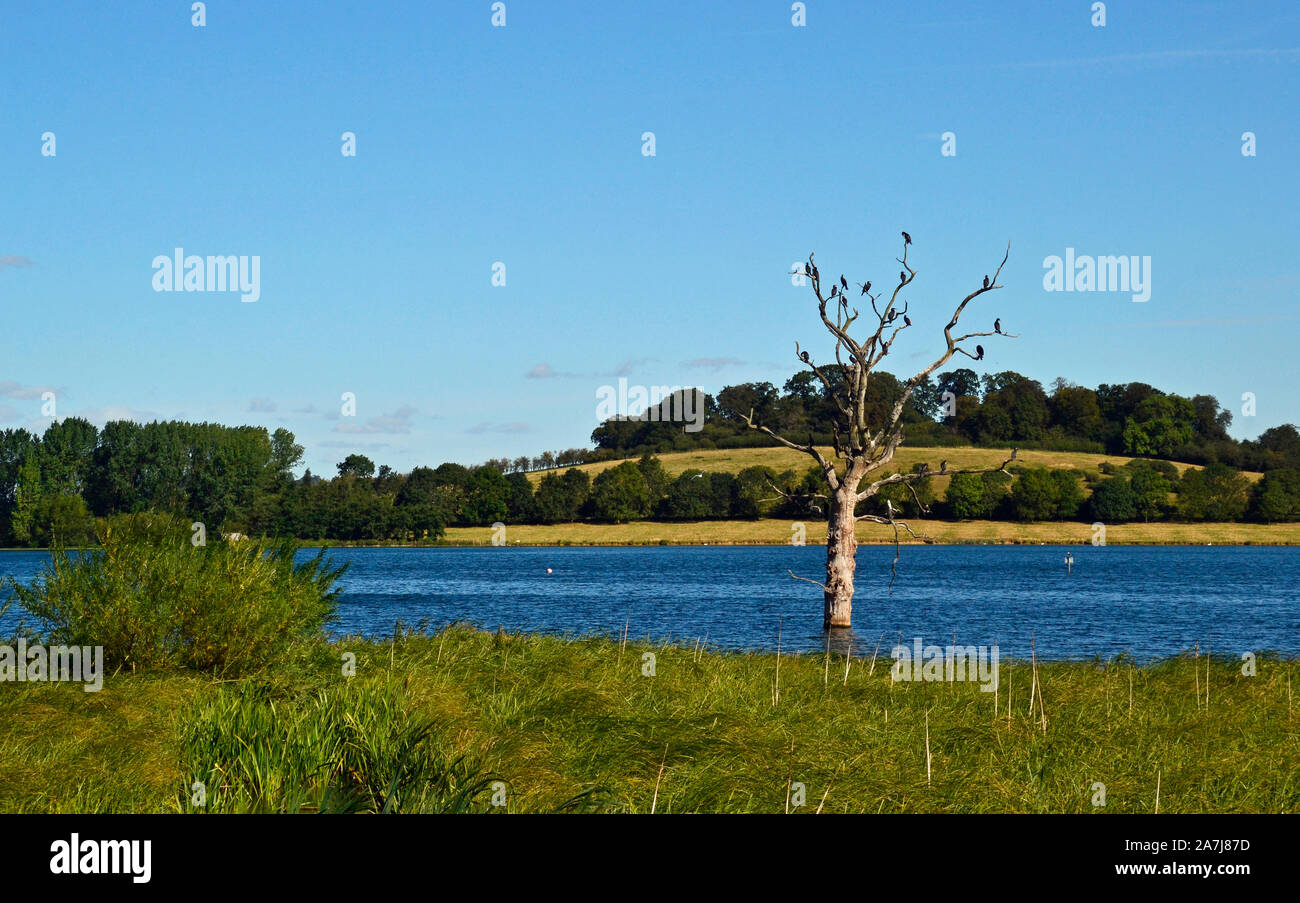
(261, 405)
(396, 423)
(14, 260)
(11, 389)
(546, 371)
(353, 444)
(514, 427)
(626, 368)
(713, 363)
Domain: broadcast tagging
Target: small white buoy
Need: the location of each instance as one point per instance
(548, 570)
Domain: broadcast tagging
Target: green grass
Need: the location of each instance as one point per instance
(574, 724)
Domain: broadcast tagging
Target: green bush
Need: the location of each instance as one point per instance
(153, 599)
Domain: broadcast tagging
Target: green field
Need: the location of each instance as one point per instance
(579, 724)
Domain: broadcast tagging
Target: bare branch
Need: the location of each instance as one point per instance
(807, 580)
(809, 449)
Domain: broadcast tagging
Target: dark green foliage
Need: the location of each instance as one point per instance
(1216, 492)
(688, 498)
(560, 498)
(1113, 501)
(968, 497)
(1277, 497)
(755, 494)
(1151, 488)
(1034, 496)
(620, 494)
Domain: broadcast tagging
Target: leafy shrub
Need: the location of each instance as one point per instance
(153, 599)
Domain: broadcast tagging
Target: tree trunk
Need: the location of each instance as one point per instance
(841, 559)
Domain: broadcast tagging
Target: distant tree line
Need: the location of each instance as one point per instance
(961, 408)
(242, 479)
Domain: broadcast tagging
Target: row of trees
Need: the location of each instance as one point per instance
(240, 479)
(1139, 491)
(361, 504)
(54, 485)
(959, 407)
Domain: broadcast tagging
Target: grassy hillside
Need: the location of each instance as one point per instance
(960, 457)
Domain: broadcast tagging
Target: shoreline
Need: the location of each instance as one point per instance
(774, 532)
(779, 532)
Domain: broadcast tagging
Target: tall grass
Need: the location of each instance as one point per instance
(575, 723)
(153, 599)
(355, 748)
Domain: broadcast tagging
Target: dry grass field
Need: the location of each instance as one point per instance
(779, 532)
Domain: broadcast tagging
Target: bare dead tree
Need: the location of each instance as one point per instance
(861, 448)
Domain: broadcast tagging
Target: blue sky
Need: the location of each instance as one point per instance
(523, 145)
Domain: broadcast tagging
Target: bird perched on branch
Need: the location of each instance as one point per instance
(835, 290)
(803, 355)
(943, 467)
(907, 239)
(867, 287)
(979, 352)
(844, 283)
(902, 277)
(986, 281)
(1014, 452)
(907, 321)
(997, 326)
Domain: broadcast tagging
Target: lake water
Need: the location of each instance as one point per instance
(1142, 600)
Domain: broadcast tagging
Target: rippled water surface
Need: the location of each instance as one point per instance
(1146, 601)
